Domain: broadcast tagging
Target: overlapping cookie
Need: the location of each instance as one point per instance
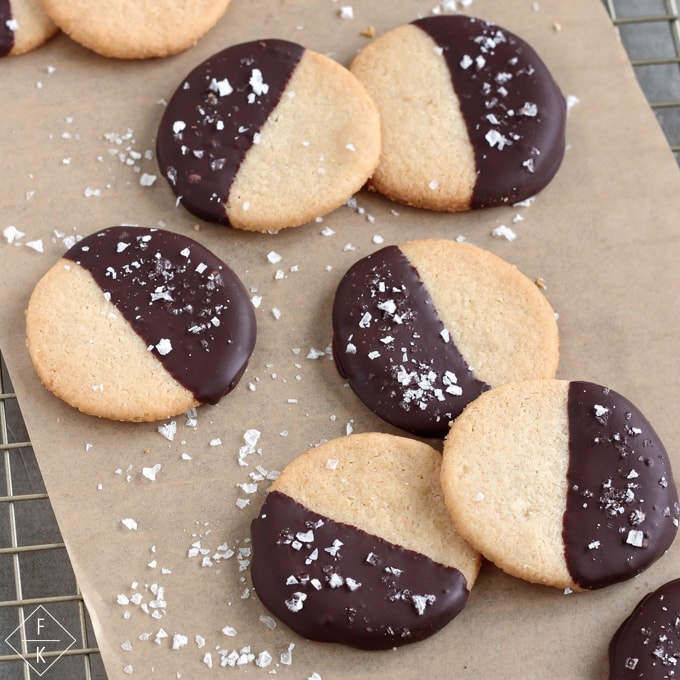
(422, 329)
(139, 324)
(647, 644)
(24, 25)
(353, 544)
(129, 29)
(471, 116)
(266, 135)
(563, 483)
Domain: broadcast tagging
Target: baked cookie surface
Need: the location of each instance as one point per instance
(646, 645)
(422, 329)
(266, 135)
(563, 483)
(129, 29)
(24, 25)
(353, 544)
(139, 324)
(471, 116)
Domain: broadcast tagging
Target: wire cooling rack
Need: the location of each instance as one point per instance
(35, 572)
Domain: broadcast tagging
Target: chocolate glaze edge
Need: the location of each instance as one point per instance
(622, 503)
(341, 584)
(7, 37)
(213, 117)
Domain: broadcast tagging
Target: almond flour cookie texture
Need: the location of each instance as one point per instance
(24, 25)
(131, 29)
(266, 135)
(563, 483)
(422, 329)
(139, 324)
(471, 116)
(353, 544)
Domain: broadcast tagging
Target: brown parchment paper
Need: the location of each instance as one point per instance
(75, 130)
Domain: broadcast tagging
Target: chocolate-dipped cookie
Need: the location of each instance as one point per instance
(266, 135)
(353, 544)
(647, 644)
(24, 25)
(560, 482)
(139, 324)
(421, 329)
(471, 116)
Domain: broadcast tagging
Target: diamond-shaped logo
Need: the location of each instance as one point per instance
(44, 640)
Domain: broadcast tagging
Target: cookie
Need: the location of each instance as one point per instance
(266, 135)
(647, 645)
(139, 324)
(23, 26)
(353, 544)
(560, 482)
(129, 29)
(422, 329)
(471, 116)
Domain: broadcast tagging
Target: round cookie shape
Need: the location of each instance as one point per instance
(129, 29)
(266, 135)
(139, 324)
(353, 544)
(558, 482)
(646, 645)
(23, 26)
(471, 116)
(422, 329)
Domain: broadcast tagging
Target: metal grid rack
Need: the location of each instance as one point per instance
(34, 565)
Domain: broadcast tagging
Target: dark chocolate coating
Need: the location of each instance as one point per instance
(622, 504)
(169, 287)
(647, 644)
(6, 34)
(333, 582)
(514, 110)
(399, 364)
(211, 120)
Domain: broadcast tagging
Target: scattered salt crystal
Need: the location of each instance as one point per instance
(151, 472)
(229, 631)
(274, 257)
(36, 245)
(505, 232)
(12, 234)
(268, 621)
(129, 523)
(179, 641)
(147, 180)
(287, 656)
(264, 659)
(168, 430)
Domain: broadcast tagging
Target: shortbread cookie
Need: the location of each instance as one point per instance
(139, 324)
(422, 329)
(23, 26)
(266, 135)
(353, 544)
(560, 482)
(130, 29)
(471, 117)
(647, 644)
